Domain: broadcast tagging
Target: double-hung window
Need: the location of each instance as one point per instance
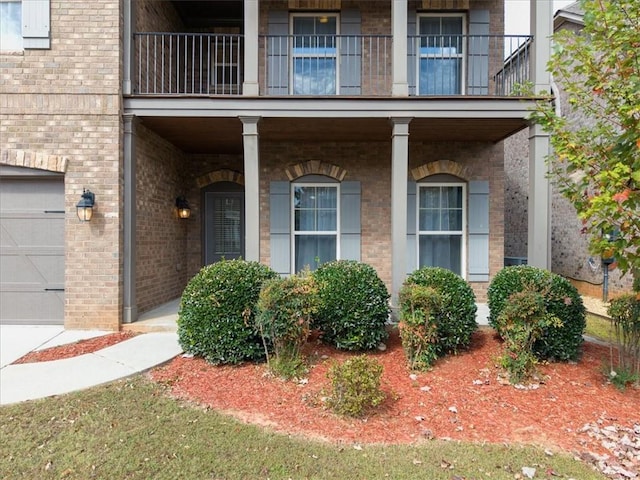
(441, 54)
(11, 26)
(441, 221)
(315, 224)
(314, 54)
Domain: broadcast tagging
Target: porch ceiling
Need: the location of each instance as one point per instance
(224, 135)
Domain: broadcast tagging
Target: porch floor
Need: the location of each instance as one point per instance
(161, 319)
(164, 317)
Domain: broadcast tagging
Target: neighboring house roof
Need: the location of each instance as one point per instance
(572, 13)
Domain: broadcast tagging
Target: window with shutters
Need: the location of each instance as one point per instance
(315, 212)
(441, 226)
(314, 56)
(10, 26)
(441, 54)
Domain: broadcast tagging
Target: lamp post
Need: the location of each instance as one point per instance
(607, 259)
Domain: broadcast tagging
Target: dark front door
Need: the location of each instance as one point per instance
(224, 225)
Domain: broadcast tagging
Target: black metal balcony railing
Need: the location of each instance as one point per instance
(330, 65)
(188, 64)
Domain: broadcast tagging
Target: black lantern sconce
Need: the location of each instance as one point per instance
(184, 211)
(84, 208)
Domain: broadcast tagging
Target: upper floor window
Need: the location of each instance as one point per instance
(315, 224)
(441, 220)
(314, 55)
(10, 26)
(441, 54)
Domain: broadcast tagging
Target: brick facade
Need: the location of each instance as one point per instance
(65, 102)
(61, 110)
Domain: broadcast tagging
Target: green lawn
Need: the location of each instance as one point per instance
(131, 430)
(599, 327)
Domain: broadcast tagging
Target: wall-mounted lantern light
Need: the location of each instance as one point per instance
(184, 211)
(84, 208)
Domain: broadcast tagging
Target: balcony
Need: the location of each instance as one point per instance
(189, 64)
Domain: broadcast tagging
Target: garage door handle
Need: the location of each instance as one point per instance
(54, 289)
(54, 211)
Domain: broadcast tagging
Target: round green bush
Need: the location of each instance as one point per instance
(562, 301)
(354, 305)
(217, 309)
(455, 318)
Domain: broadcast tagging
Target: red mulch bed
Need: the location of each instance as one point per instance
(463, 401)
(74, 349)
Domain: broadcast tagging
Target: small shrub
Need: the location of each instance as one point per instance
(354, 306)
(355, 386)
(217, 309)
(625, 319)
(456, 315)
(521, 322)
(419, 310)
(557, 342)
(284, 314)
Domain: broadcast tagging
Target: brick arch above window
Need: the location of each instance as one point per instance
(440, 167)
(315, 167)
(38, 160)
(222, 175)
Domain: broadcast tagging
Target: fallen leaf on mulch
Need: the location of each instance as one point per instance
(74, 349)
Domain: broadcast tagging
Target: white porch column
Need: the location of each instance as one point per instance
(251, 188)
(130, 312)
(539, 221)
(399, 178)
(400, 86)
(128, 64)
(250, 83)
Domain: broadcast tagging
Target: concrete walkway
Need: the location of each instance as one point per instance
(42, 379)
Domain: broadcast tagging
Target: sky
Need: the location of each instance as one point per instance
(517, 14)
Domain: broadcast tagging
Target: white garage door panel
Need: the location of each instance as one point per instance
(43, 230)
(32, 307)
(31, 250)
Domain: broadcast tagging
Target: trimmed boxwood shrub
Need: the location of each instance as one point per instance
(562, 301)
(354, 305)
(216, 317)
(455, 317)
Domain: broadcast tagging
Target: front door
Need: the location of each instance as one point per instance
(224, 224)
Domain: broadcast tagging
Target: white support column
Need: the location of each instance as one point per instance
(128, 45)
(399, 179)
(400, 86)
(251, 187)
(250, 83)
(130, 312)
(539, 221)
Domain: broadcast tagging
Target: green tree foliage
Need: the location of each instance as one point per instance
(596, 159)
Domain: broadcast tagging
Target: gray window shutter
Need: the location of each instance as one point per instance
(412, 43)
(350, 52)
(280, 226)
(478, 231)
(278, 53)
(350, 231)
(478, 63)
(412, 238)
(36, 24)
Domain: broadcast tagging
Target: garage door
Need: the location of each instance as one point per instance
(31, 250)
